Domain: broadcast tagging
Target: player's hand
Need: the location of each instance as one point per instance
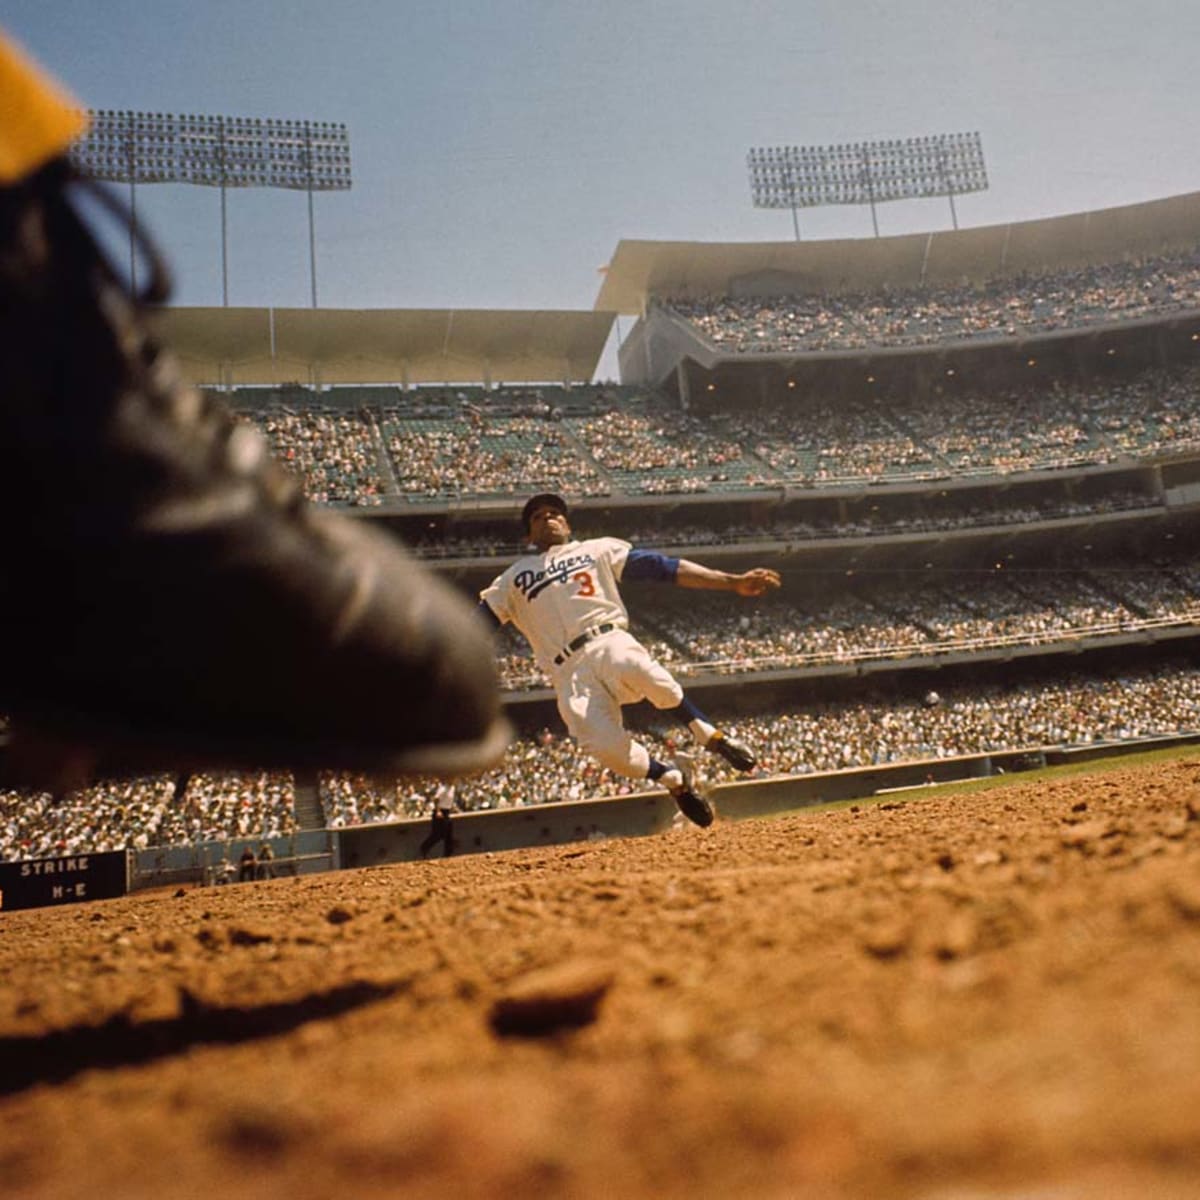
(756, 582)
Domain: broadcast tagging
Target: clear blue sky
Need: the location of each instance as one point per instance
(502, 148)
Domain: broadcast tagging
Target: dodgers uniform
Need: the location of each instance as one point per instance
(567, 603)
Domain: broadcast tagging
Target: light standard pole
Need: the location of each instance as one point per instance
(215, 151)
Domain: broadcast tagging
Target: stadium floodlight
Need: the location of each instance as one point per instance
(795, 177)
(124, 146)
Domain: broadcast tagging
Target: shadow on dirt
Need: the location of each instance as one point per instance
(124, 1041)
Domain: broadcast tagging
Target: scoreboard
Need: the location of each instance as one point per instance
(70, 879)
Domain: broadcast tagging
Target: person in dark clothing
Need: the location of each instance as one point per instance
(246, 865)
(441, 828)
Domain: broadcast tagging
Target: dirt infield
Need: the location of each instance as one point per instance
(973, 995)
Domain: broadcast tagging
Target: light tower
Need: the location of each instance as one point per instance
(795, 177)
(124, 146)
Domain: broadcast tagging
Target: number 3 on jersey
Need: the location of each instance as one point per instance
(587, 586)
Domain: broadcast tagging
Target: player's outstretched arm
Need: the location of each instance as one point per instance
(755, 582)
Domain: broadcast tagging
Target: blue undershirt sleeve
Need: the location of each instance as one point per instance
(649, 564)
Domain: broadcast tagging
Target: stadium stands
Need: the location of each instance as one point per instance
(146, 813)
(926, 614)
(432, 451)
(335, 453)
(1006, 307)
(936, 514)
(610, 441)
(1079, 709)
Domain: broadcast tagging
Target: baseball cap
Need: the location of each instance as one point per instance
(549, 499)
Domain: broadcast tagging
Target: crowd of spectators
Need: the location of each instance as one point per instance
(656, 449)
(1156, 411)
(354, 799)
(1153, 594)
(234, 804)
(333, 452)
(138, 814)
(931, 513)
(491, 443)
(921, 614)
(1076, 710)
(955, 432)
(89, 821)
(1003, 307)
(478, 454)
(612, 440)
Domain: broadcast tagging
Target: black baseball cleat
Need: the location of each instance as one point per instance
(737, 754)
(169, 600)
(695, 806)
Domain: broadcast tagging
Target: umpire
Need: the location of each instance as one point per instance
(441, 827)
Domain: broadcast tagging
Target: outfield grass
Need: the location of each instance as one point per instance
(1134, 759)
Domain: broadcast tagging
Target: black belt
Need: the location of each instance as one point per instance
(582, 640)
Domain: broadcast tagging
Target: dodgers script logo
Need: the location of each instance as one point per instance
(531, 584)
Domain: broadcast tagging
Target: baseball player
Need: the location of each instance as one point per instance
(563, 595)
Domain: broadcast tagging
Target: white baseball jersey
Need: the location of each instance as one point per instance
(555, 596)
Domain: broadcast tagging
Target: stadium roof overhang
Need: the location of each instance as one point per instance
(640, 270)
(404, 346)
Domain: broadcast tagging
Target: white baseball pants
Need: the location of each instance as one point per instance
(592, 686)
